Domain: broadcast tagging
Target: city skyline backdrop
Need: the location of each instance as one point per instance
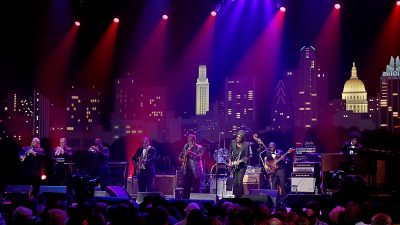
(44, 51)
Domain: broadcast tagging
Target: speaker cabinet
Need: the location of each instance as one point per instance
(116, 191)
(132, 186)
(267, 192)
(165, 184)
(19, 189)
(303, 182)
(202, 196)
(53, 189)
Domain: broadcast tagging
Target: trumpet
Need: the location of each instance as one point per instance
(96, 149)
(59, 151)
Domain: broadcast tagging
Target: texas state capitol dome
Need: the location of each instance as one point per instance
(354, 93)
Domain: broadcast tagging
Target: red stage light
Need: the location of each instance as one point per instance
(77, 23)
(282, 9)
(116, 20)
(165, 17)
(337, 6)
(213, 13)
(398, 3)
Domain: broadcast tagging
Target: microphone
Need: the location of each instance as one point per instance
(221, 133)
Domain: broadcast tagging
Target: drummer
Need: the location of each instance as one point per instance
(220, 155)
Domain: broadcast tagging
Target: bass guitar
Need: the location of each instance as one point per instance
(271, 165)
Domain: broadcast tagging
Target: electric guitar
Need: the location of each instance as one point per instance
(271, 165)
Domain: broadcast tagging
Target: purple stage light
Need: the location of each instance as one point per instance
(165, 16)
(282, 9)
(213, 13)
(337, 6)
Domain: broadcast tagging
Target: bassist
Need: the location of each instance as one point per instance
(238, 155)
(276, 169)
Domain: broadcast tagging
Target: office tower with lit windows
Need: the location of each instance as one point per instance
(83, 108)
(354, 93)
(281, 107)
(151, 104)
(41, 115)
(240, 104)
(202, 92)
(389, 99)
(305, 97)
(125, 94)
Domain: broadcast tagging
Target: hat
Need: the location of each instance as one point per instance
(241, 133)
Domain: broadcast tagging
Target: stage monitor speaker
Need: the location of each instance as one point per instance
(273, 194)
(165, 184)
(53, 189)
(18, 189)
(260, 198)
(303, 183)
(116, 191)
(142, 195)
(203, 196)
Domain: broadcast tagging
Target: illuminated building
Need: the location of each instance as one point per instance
(83, 109)
(240, 104)
(202, 92)
(41, 115)
(354, 93)
(281, 107)
(306, 96)
(125, 94)
(389, 100)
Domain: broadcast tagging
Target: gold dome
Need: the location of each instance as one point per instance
(354, 84)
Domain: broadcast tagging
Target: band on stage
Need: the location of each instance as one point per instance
(230, 165)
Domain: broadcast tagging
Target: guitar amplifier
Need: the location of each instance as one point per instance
(303, 182)
(306, 167)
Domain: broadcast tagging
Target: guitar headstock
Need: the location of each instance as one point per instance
(255, 137)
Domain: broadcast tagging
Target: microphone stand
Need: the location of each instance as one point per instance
(216, 166)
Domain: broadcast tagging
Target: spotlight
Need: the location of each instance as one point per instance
(398, 3)
(165, 16)
(77, 23)
(337, 6)
(282, 9)
(116, 20)
(43, 177)
(213, 13)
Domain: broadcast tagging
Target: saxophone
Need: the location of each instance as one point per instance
(26, 154)
(141, 163)
(58, 150)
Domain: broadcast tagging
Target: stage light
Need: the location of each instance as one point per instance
(43, 177)
(116, 20)
(337, 6)
(165, 16)
(213, 13)
(398, 3)
(77, 23)
(282, 9)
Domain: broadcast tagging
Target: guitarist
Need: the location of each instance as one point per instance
(277, 170)
(144, 159)
(238, 155)
(191, 158)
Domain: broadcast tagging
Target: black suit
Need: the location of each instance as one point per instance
(100, 166)
(238, 154)
(349, 149)
(278, 177)
(146, 175)
(193, 170)
(31, 166)
(61, 172)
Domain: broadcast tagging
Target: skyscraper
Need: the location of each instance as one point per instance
(389, 99)
(281, 107)
(305, 95)
(125, 94)
(240, 104)
(202, 92)
(83, 108)
(354, 93)
(41, 115)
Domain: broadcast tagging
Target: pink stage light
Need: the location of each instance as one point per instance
(77, 23)
(398, 3)
(116, 20)
(43, 177)
(213, 13)
(337, 6)
(282, 9)
(165, 16)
